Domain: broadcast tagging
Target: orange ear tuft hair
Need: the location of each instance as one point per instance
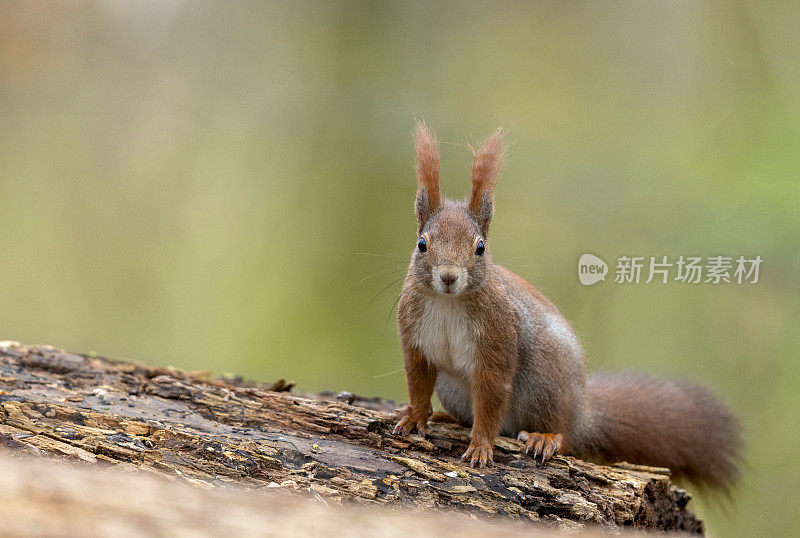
(486, 165)
(426, 165)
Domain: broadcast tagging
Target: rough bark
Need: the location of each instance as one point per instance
(205, 432)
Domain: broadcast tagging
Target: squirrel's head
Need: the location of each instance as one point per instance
(452, 251)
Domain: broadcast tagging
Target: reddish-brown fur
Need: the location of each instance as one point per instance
(426, 166)
(502, 357)
(486, 164)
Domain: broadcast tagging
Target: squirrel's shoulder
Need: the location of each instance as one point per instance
(522, 289)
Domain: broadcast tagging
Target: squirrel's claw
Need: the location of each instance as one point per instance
(401, 411)
(546, 444)
(399, 428)
(406, 424)
(479, 455)
(409, 420)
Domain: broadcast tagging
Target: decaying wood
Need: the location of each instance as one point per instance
(42, 499)
(209, 433)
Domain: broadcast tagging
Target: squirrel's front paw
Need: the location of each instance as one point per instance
(479, 454)
(408, 421)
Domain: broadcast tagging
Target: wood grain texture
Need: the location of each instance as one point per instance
(207, 433)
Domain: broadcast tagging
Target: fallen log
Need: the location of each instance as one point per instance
(208, 433)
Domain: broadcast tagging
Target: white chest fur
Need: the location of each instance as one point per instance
(446, 337)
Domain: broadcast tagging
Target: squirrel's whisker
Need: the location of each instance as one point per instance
(389, 373)
(389, 316)
(364, 279)
(389, 285)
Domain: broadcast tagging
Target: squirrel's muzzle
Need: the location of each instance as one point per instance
(449, 279)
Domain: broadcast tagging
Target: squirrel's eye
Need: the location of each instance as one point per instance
(422, 245)
(480, 248)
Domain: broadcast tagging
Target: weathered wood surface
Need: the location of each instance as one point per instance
(42, 499)
(192, 429)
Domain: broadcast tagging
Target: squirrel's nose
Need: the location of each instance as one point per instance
(448, 278)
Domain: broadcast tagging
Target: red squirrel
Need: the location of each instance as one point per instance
(504, 360)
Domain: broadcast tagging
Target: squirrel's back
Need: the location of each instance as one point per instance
(634, 417)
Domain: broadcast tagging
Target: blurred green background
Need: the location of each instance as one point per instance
(229, 186)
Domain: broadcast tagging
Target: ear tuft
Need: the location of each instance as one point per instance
(426, 165)
(486, 165)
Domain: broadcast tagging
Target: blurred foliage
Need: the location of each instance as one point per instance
(229, 186)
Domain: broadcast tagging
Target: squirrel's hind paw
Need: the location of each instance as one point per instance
(546, 444)
(442, 418)
(407, 424)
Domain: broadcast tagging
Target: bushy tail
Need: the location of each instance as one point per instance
(673, 424)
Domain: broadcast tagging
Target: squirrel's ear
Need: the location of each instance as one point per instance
(486, 165)
(426, 165)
